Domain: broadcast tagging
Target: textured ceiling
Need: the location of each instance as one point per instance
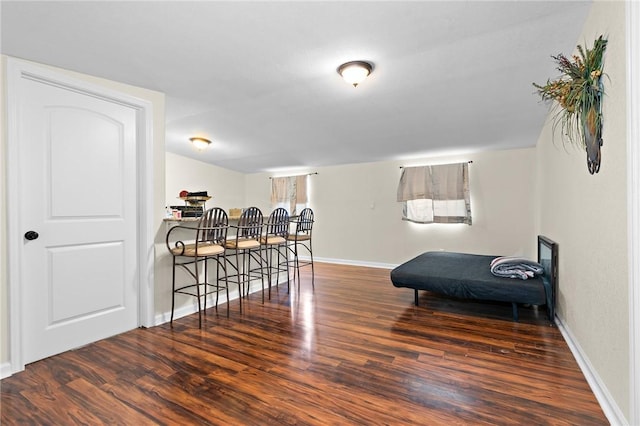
(259, 78)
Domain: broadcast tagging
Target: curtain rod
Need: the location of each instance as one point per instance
(402, 167)
(308, 174)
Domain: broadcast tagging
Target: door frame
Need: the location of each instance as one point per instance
(18, 70)
(633, 197)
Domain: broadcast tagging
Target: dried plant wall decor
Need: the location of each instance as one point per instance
(578, 94)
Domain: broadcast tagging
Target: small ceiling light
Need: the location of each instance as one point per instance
(200, 143)
(355, 72)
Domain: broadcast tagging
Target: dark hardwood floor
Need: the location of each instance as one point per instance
(354, 351)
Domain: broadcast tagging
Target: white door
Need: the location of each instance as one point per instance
(78, 180)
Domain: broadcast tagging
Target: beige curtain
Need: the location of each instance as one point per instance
(415, 183)
(289, 189)
(445, 189)
(301, 189)
(279, 190)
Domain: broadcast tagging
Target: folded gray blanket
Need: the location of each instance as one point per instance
(515, 267)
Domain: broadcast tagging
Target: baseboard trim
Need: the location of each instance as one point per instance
(192, 308)
(352, 262)
(5, 370)
(606, 401)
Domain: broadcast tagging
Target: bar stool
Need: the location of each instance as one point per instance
(245, 246)
(209, 243)
(275, 237)
(301, 238)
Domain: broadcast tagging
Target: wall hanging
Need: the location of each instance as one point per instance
(578, 94)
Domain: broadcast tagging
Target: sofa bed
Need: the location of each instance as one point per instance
(469, 276)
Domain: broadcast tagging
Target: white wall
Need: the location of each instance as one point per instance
(226, 187)
(587, 216)
(4, 304)
(359, 221)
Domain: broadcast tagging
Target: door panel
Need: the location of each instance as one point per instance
(85, 148)
(78, 191)
(101, 290)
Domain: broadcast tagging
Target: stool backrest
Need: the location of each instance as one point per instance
(304, 223)
(250, 223)
(213, 226)
(278, 223)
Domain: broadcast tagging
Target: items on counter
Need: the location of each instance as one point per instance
(187, 211)
(172, 212)
(195, 194)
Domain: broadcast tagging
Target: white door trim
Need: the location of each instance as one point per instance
(17, 70)
(633, 191)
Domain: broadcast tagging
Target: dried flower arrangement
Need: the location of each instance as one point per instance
(578, 92)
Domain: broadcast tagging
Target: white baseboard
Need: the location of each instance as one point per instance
(5, 370)
(192, 308)
(606, 401)
(352, 262)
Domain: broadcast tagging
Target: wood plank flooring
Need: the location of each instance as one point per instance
(353, 351)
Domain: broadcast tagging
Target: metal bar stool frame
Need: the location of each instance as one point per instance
(245, 246)
(275, 237)
(301, 238)
(210, 238)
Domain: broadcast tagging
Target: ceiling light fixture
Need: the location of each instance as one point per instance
(200, 143)
(355, 72)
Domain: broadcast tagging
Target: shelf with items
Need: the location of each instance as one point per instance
(198, 200)
(194, 206)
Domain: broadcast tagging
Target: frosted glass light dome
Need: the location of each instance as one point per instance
(355, 72)
(200, 143)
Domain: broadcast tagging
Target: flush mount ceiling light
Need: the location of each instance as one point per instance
(355, 72)
(200, 143)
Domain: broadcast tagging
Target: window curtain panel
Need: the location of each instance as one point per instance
(301, 189)
(436, 194)
(279, 190)
(289, 191)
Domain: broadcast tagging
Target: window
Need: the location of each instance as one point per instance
(289, 192)
(435, 194)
